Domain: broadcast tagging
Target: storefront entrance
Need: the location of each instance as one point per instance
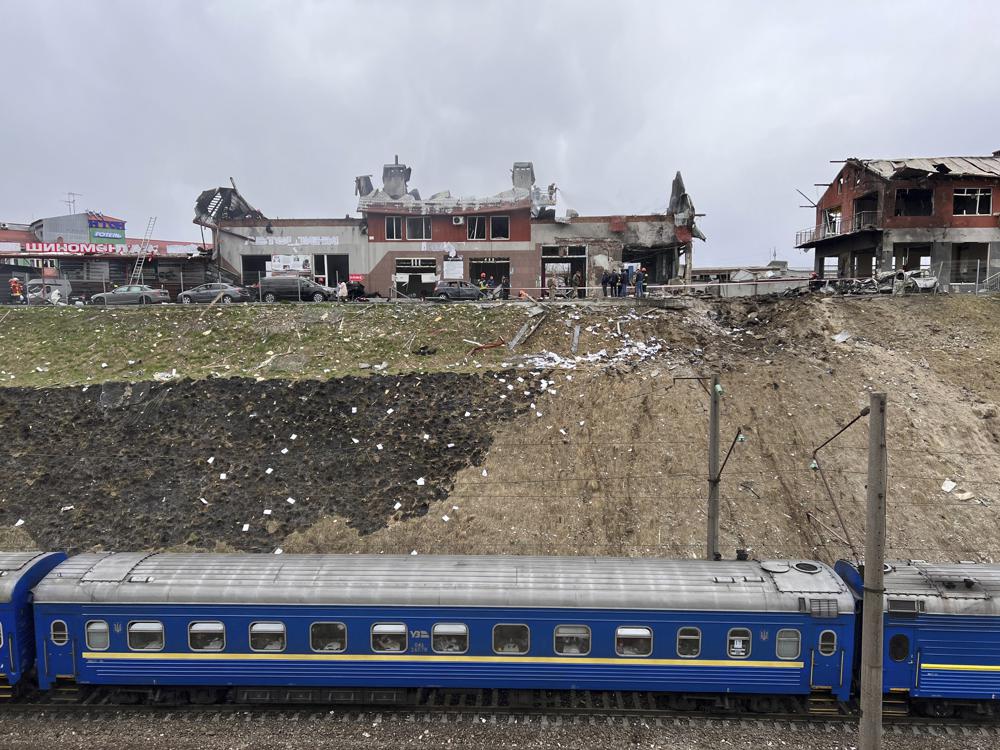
(495, 267)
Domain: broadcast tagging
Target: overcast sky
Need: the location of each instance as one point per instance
(141, 105)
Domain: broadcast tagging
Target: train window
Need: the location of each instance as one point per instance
(267, 636)
(827, 643)
(572, 640)
(689, 642)
(328, 636)
(145, 636)
(511, 639)
(389, 637)
(738, 643)
(788, 644)
(450, 638)
(899, 647)
(633, 641)
(206, 636)
(98, 638)
(59, 633)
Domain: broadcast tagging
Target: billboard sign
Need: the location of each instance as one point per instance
(88, 248)
(289, 265)
(106, 236)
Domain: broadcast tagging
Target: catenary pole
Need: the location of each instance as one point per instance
(870, 733)
(712, 547)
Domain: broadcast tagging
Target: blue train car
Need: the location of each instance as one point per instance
(204, 623)
(19, 572)
(941, 633)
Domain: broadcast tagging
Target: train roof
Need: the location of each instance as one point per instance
(943, 588)
(13, 567)
(429, 580)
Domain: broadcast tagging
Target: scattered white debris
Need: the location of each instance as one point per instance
(268, 470)
(420, 482)
(389, 411)
(354, 410)
(211, 459)
(484, 473)
(355, 440)
(397, 506)
(246, 527)
(413, 552)
(947, 485)
(538, 414)
(103, 365)
(426, 436)
(203, 501)
(445, 519)
(20, 522)
(450, 445)
(468, 414)
(378, 446)
(290, 500)
(284, 450)
(293, 436)
(66, 508)
(222, 475)
(278, 550)
(963, 495)
(841, 337)
(206, 333)
(583, 422)
(267, 511)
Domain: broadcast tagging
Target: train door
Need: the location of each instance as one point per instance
(899, 658)
(59, 655)
(826, 668)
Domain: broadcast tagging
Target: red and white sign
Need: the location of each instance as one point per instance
(355, 277)
(88, 248)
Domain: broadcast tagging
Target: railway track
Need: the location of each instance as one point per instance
(616, 712)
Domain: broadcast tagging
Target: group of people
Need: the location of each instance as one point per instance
(487, 284)
(615, 283)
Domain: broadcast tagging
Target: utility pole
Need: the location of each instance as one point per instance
(870, 731)
(714, 477)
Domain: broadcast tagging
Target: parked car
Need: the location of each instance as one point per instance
(294, 288)
(453, 290)
(225, 293)
(136, 294)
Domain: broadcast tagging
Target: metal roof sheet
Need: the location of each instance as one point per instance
(621, 583)
(946, 588)
(13, 565)
(956, 166)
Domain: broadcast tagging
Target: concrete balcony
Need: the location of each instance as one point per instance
(859, 222)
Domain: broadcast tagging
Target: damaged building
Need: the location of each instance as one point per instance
(936, 214)
(403, 244)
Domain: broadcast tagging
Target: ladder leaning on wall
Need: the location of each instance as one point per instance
(136, 277)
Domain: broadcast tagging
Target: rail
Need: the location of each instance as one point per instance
(859, 222)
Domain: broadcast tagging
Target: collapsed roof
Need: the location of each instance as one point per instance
(681, 207)
(919, 167)
(222, 204)
(395, 195)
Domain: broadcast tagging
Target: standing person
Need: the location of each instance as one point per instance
(577, 284)
(616, 279)
(342, 291)
(640, 281)
(551, 284)
(491, 283)
(605, 280)
(623, 283)
(504, 288)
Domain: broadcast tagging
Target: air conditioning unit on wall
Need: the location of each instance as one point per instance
(458, 220)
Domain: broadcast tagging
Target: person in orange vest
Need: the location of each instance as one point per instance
(16, 290)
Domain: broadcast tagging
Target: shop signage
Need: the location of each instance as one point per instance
(88, 248)
(107, 235)
(355, 277)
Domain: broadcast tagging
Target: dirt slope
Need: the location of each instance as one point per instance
(610, 459)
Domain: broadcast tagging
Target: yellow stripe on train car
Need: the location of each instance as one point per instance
(216, 656)
(963, 667)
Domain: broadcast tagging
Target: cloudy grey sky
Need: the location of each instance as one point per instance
(140, 105)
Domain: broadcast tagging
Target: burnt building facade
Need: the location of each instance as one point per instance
(939, 214)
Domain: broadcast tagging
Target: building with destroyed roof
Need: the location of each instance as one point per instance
(403, 244)
(939, 214)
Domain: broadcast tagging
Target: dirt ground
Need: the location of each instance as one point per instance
(606, 456)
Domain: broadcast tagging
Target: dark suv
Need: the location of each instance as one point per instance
(295, 288)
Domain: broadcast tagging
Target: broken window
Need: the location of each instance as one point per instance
(831, 221)
(914, 202)
(477, 227)
(499, 227)
(394, 227)
(418, 227)
(973, 202)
